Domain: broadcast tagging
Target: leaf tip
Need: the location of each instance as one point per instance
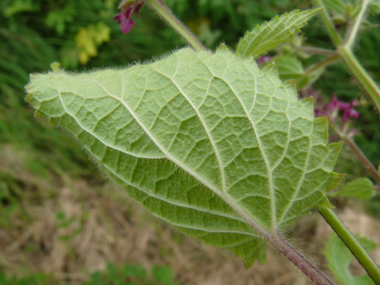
(335, 180)
(56, 67)
(271, 69)
(28, 97)
(223, 49)
(39, 114)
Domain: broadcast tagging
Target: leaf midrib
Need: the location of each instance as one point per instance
(222, 195)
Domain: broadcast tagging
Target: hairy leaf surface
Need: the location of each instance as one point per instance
(207, 142)
(273, 33)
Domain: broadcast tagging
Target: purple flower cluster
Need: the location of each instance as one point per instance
(125, 16)
(334, 110)
(331, 109)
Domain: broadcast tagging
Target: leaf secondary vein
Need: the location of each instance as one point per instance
(170, 202)
(273, 205)
(103, 142)
(238, 209)
(217, 154)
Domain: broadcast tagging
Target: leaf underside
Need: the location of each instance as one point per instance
(273, 33)
(207, 142)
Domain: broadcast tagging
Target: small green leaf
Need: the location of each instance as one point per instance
(339, 258)
(59, 19)
(20, 6)
(290, 67)
(134, 271)
(273, 33)
(163, 274)
(361, 188)
(335, 6)
(375, 6)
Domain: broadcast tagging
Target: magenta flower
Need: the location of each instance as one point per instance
(332, 109)
(347, 108)
(263, 59)
(125, 16)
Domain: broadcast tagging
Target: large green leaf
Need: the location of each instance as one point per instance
(207, 142)
(273, 33)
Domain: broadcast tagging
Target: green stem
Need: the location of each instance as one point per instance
(161, 9)
(333, 33)
(363, 159)
(361, 75)
(353, 30)
(319, 65)
(316, 50)
(316, 67)
(351, 242)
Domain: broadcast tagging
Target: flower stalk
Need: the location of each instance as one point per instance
(354, 29)
(361, 74)
(329, 25)
(346, 54)
(361, 156)
(161, 9)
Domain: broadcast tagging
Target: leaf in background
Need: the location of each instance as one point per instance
(339, 258)
(335, 6)
(375, 6)
(361, 188)
(89, 38)
(20, 6)
(163, 274)
(59, 18)
(207, 142)
(273, 33)
(290, 67)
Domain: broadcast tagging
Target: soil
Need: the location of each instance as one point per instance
(71, 227)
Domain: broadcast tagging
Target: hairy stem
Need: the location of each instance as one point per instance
(333, 33)
(161, 9)
(305, 266)
(351, 243)
(353, 30)
(362, 158)
(285, 248)
(361, 75)
(319, 65)
(346, 54)
(316, 50)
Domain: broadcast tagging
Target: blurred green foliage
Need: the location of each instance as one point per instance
(126, 275)
(82, 35)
